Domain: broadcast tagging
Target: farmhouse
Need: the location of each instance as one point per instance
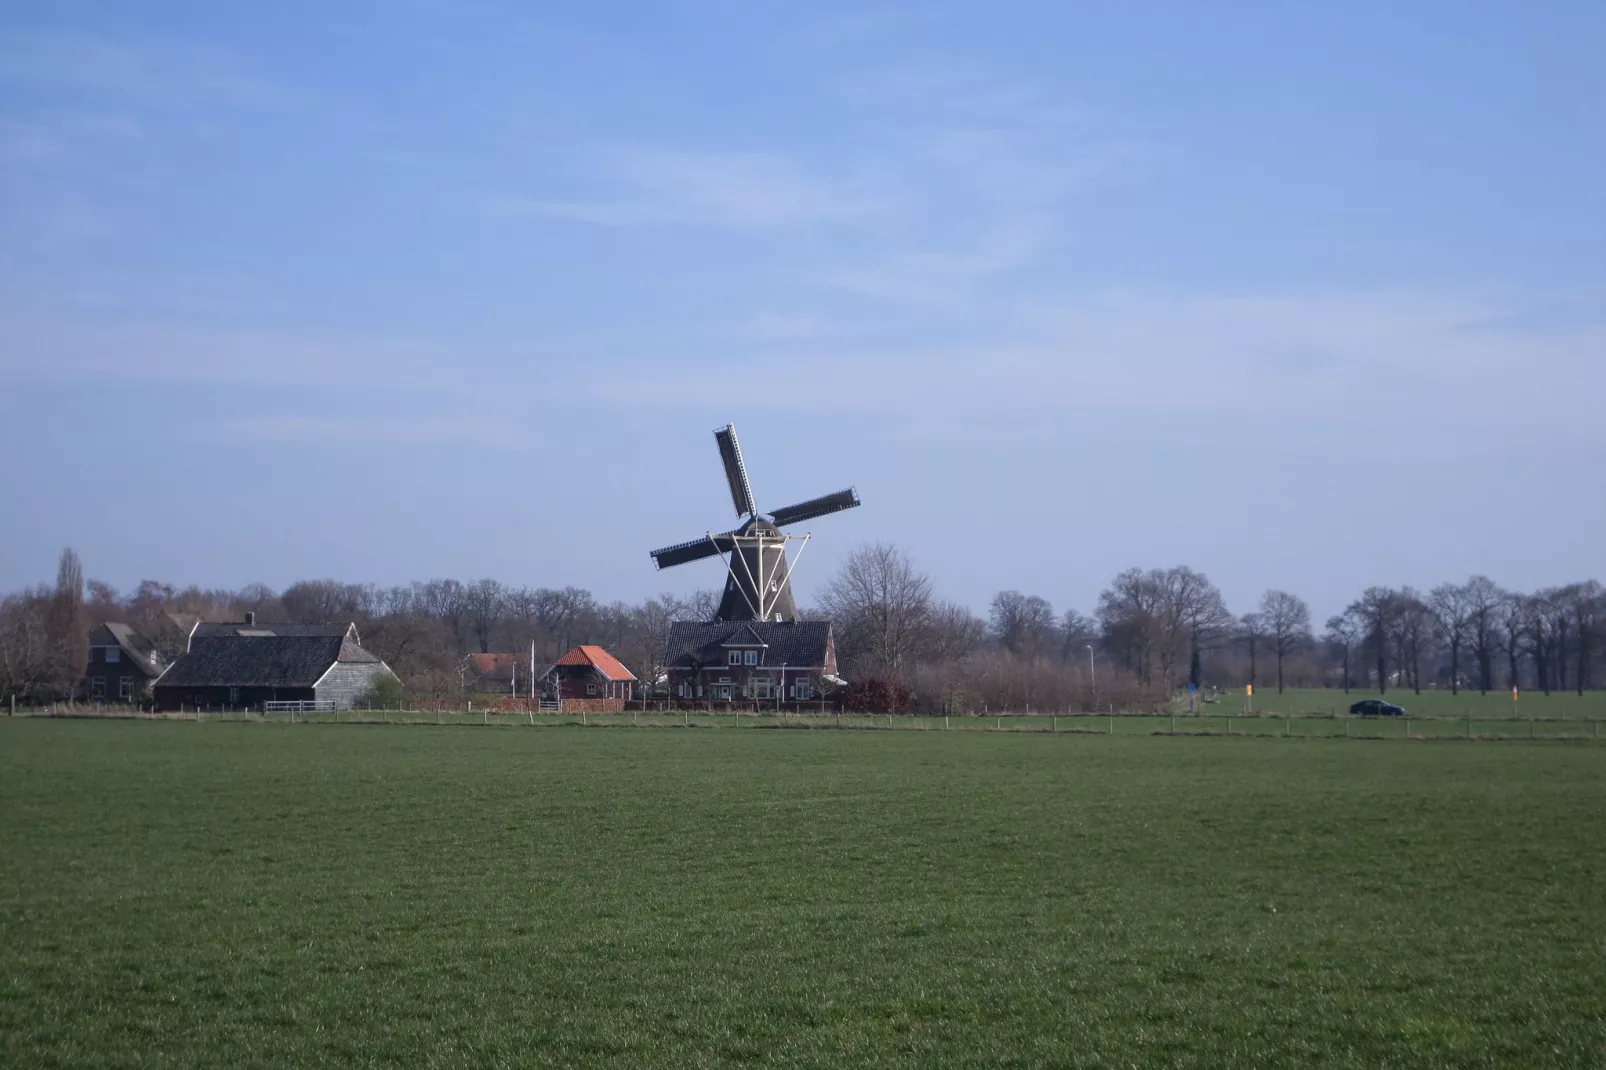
(751, 660)
(501, 674)
(588, 677)
(122, 664)
(246, 665)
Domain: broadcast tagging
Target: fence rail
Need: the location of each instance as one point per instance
(302, 706)
(1294, 726)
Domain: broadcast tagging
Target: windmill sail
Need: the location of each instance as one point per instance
(695, 550)
(821, 506)
(730, 454)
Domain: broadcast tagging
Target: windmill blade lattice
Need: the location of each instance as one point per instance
(758, 582)
(824, 505)
(730, 455)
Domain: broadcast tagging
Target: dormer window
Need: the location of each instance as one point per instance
(734, 658)
(752, 657)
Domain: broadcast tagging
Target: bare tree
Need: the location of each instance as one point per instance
(1077, 633)
(1252, 633)
(1410, 628)
(1201, 614)
(444, 600)
(1344, 634)
(883, 603)
(69, 636)
(1375, 612)
(1451, 606)
(1286, 618)
(485, 603)
(1129, 616)
(1025, 625)
(1484, 601)
(325, 601)
(1586, 602)
(953, 633)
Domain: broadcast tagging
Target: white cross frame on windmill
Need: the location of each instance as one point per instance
(758, 583)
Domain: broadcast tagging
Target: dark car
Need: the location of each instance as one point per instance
(1376, 707)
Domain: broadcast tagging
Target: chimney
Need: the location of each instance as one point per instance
(250, 620)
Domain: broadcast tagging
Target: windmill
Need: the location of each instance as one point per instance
(758, 585)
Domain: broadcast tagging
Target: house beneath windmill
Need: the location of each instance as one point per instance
(751, 661)
(244, 665)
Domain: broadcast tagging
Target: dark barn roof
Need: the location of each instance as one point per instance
(138, 650)
(794, 642)
(212, 629)
(260, 660)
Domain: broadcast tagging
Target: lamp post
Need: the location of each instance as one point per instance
(1092, 670)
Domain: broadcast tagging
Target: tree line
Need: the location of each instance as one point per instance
(1151, 632)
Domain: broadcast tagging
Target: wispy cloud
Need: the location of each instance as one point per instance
(1440, 368)
(422, 430)
(47, 347)
(135, 72)
(668, 186)
(944, 274)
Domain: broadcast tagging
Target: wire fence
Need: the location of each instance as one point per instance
(1289, 726)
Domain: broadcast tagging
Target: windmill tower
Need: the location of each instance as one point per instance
(758, 582)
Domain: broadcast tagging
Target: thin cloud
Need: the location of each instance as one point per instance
(424, 430)
(669, 186)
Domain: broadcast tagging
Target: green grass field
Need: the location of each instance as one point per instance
(347, 895)
(1430, 703)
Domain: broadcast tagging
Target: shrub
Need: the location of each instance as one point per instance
(385, 693)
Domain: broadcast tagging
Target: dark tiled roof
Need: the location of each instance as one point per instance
(260, 661)
(210, 629)
(139, 650)
(794, 642)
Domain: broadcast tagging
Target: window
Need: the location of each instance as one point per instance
(234, 694)
(591, 687)
(752, 657)
(97, 687)
(113, 655)
(125, 687)
(734, 658)
(801, 688)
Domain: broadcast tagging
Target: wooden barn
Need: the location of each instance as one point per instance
(244, 666)
(589, 678)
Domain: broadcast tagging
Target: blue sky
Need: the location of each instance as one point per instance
(1302, 298)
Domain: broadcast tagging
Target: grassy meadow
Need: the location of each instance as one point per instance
(1496, 705)
(181, 894)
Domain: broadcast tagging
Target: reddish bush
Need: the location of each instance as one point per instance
(878, 695)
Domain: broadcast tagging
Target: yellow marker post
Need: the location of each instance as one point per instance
(1249, 698)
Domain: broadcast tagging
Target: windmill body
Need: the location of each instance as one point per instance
(758, 583)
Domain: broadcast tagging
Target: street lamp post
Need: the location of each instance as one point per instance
(1092, 670)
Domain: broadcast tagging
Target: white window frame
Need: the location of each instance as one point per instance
(751, 658)
(125, 687)
(733, 657)
(591, 687)
(802, 688)
(234, 695)
(97, 687)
